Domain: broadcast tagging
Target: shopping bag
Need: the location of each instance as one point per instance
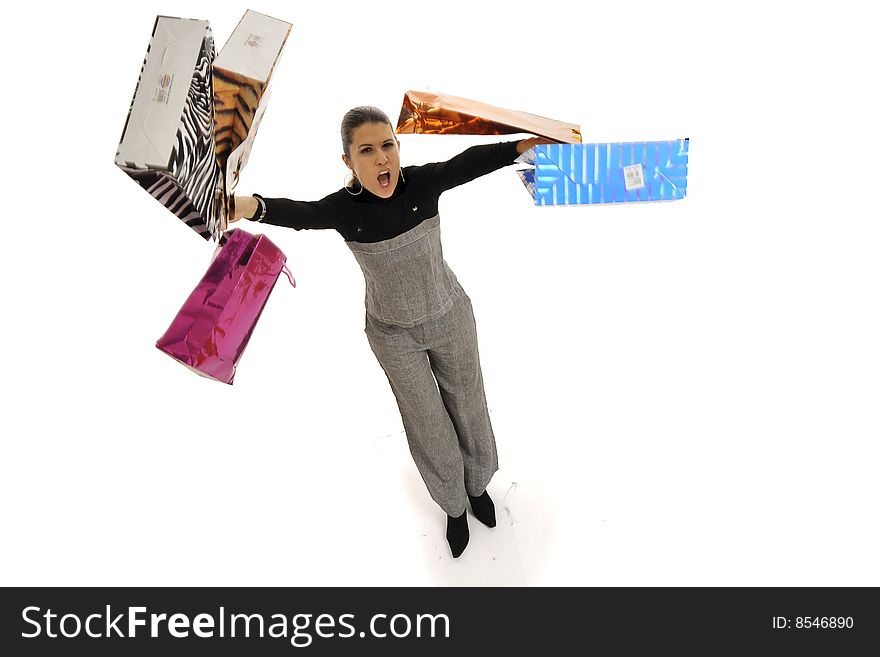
(242, 73)
(574, 174)
(426, 112)
(212, 329)
(167, 144)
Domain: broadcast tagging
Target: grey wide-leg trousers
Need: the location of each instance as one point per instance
(434, 372)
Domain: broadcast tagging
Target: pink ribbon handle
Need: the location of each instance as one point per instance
(289, 275)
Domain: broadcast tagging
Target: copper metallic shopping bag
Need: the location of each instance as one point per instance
(431, 113)
(213, 327)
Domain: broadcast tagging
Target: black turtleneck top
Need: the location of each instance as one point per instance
(369, 218)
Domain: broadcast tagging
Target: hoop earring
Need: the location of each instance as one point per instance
(353, 178)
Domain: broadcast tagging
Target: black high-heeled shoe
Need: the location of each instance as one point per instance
(483, 508)
(457, 534)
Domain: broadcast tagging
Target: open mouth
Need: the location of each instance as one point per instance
(384, 178)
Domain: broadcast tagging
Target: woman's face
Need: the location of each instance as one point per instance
(375, 158)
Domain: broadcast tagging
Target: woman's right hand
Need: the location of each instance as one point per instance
(245, 208)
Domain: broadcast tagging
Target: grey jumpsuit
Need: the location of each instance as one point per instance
(419, 320)
(421, 327)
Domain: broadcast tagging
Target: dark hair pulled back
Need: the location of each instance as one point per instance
(357, 117)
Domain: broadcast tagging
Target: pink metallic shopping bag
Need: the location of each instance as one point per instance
(214, 325)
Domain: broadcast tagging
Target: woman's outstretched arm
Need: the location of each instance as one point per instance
(474, 162)
(287, 212)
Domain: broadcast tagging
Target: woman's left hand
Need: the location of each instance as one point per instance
(526, 144)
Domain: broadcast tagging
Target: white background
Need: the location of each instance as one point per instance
(683, 393)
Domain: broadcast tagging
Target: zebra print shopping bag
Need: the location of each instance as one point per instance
(167, 144)
(213, 327)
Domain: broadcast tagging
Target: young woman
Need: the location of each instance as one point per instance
(419, 323)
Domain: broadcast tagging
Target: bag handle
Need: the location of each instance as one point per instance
(289, 275)
(284, 269)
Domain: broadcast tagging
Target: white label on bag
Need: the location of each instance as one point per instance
(253, 41)
(633, 177)
(162, 92)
